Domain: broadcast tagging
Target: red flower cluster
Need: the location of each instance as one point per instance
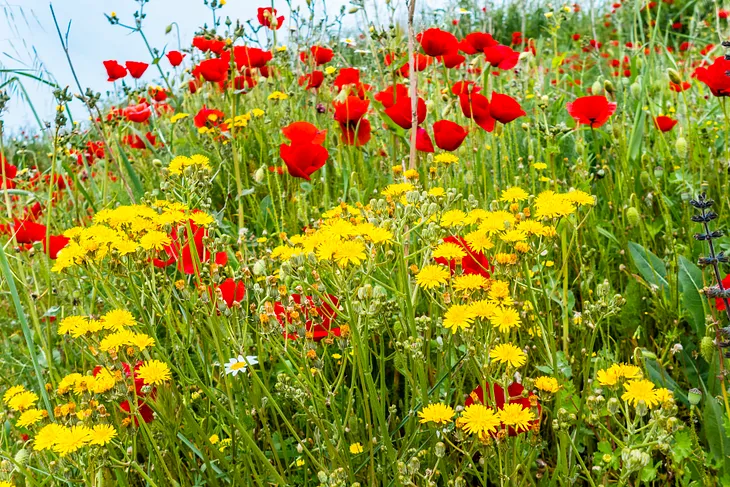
(305, 154)
(317, 319)
(180, 250)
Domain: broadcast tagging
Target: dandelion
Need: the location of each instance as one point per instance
(117, 320)
(154, 240)
(154, 372)
(142, 341)
(356, 448)
(22, 401)
(397, 189)
(514, 194)
(479, 420)
(436, 413)
(452, 218)
(12, 392)
(459, 316)
(30, 417)
(277, 95)
(449, 251)
(547, 384)
(507, 353)
(432, 276)
(101, 434)
(446, 158)
(72, 439)
(640, 390)
(505, 318)
(516, 416)
(664, 396)
(478, 241)
(47, 436)
(436, 192)
(350, 252)
(239, 364)
(513, 236)
(470, 282)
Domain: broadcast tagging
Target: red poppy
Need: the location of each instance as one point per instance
(312, 80)
(473, 263)
(680, 87)
(357, 133)
(158, 94)
(7, 173)
(304, 132)
(476, 107)
(502, 57)
(448, 135)
(317, 319)
(401, 114)
(320, 55)
(251, 57)
(477, 42)
(213, 70)
(504, 108)
(232, 291)
(664, 123)
(115, 70)
(139, 113)
(423, 141)
(175, 58)
(142, 409)
(136, 142)
(436, 42)
(422, 62)
(267, 17)
(719, 302)
(496, 400)
(181, 246)
(205, 45)
(465, 88)
(351, 110)
(715, 76)
(136, 69)
(26, 231)
(208, 117)
(591, 110)
(244, 81)
(347, 76)
(54, 244)
(452, 60)
(303, 159)
(389, 96)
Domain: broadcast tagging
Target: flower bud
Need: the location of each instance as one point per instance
(259, 175)
(681, 146)
(596, 88)
(674, 76)
(440, 450)
(694, 396)
(707, 348)
(633, 216)
(635, 90)
(612, 405)
(608, 86)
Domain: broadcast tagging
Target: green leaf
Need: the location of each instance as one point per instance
(651, 267)
(714, 431)
(637, 134)
(682, 447)
(690, 283)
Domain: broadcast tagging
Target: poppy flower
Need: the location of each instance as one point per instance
(389, 96)
(213, 45)
(504, 108)
(357, 134)
(719, 302)
(244, 81)
(54, 244)
(664, 123)
(213, 70)
(232, 291)
(27, 232)
(448, 135)
(303, 159)
(136, 69)
(251, 57)
(452, 60)
(208, 117)
(351, 110)
(175, 58)
(465, 88)
(477, 42)
(436, 42)
(347, 76)
(680, 87)
(421, 62)
(267, 17)
(476, 107)
(304, 132)
(496, 399)
(312, 80)
(715, 76)
(136, 142)
(139, 113)
(591, 110)
(115, 70)
(473, 263)
(423, 141)
(143, 410)
(502, 57)
(317, 319)
(7, 173)
(183, 241)
(400, 112)
(320, 55)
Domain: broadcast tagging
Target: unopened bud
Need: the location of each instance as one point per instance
(674, 76)
(707, 348)
(608, 86)
(681, 146)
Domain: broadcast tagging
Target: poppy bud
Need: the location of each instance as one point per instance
(681, 146)
(632, 214)
(635, 90)
(353, 10)
(258, 176)
(596, 88)
(694, 396)
(707, 348)
(168, 29)
(608, 86)
(658, 172)
(674, 76)
(645, 178)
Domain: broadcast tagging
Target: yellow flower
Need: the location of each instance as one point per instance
(513, 236)
(350, 252)
(580, 198)
(640, 390)
(470, 282)
(397, 189)
(540, 166)
(436, 192)
(449, 251)
(616, 372)
(178, 116)
(47, 436)
(278, 95)
(12, 392)
(142, 341)
(330, 70)
(117, 320)
(436, 413)
(30, 417)
(154, 372)
(484, 309)
(505, 318)
(102, 434)
(547, 384)
(446, 158)
(71, 439)
(432, 276)
(72, 325)
(22, 401)
(507, 353)
(411, 174)
(201, 219)
(214, 439)
(479, 420)
(452, 218)
(5, 483)
(514, 194)
(517, 416)
(356, 448)
(665, 396)
(478, 241)
(458, 316)
(154, 240)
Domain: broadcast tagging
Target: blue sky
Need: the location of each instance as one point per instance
(92, 40)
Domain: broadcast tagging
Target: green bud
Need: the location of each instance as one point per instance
(635, 90)
(440, 450)
(596, 89)
(674, 76)
(694, 396)
(681, 146)
(608, 86)
(633, 215)
(707, 348)
(168, 29)
(645, 178)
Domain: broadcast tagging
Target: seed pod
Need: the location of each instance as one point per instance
(645, 178)
(694, 396)
(633, 216)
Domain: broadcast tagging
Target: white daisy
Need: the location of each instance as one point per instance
(240, 363)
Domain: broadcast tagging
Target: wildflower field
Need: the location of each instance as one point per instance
(393, 245)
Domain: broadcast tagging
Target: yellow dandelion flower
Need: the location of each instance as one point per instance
(514, 194)
(470, 282)
(22, 401)
(350, 252)
(506, 353)
(397, 189)
(452, 218)
(432, 276)
(356, 448)
(12, 392)
(459, 316)
(513, 236)
(446, 158)
(101, 434)
(505, 318)
(278, 95)
(547, 384)
(154, 372)
(72, 439)
(30, 417)
(483, 308)
(640, 390)
(478, 241)
(478, 420)
(664, 396)
(449, 251)
(580, 198)
(436, 413)
(436, 192)
(142, 341)
(47, 436)
(117, 320)
(517, 416)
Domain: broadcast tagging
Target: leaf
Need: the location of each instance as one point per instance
(608, 235)
(637, 134)
(690, 283)
(682, 447)
(651, 267)
(714, 431)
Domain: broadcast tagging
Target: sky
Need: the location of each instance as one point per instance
(27, 32)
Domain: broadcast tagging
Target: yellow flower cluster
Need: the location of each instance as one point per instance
(65, 440)
(180, 163)
(549, 204)
(126, 230)
(116, 321)
(102, 382)
(636, 389)
(344, 237)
